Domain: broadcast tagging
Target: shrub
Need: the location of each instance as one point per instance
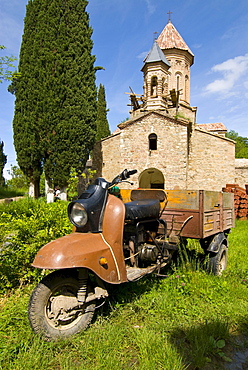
(25, 226)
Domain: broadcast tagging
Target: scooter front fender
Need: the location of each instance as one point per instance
(83, 250)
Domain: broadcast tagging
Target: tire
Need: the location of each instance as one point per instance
(218, 261)
(53, 310)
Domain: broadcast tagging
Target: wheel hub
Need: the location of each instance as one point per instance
(63, 307)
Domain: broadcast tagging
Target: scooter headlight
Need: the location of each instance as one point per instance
(78, 215)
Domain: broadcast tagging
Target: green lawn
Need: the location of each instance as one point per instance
(188, 320)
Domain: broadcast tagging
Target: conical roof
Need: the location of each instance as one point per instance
(170, 38)
(156, 55)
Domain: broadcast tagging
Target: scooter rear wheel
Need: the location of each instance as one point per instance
(54, 311)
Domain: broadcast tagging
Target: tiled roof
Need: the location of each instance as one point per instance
(212, 127)
(156, 55)
(170, 38)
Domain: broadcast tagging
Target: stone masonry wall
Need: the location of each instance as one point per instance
(130, 149)
(241, 172)
(211, 161)
(107, 157)
(202, 161)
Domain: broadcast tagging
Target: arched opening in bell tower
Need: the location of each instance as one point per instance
(154, 86)
(187, 89)
(178, 81)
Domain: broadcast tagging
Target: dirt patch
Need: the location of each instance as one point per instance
(9, 200)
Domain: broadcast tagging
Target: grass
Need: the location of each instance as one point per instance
(189, 320)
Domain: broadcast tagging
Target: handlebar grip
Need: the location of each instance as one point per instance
(132, 172)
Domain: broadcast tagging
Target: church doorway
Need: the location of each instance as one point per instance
(151, 178)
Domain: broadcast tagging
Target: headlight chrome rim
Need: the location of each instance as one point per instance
(78, 215)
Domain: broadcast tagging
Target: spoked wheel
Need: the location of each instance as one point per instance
(218, 261)
(54, 311)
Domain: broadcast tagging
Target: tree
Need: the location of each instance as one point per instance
(28, 116)
(241, 147)
(102, 126)
(3, 161)
(18, 179)
(6, 64)
(54, 123)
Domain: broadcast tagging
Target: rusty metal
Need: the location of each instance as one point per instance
(211, 212)
(132, 252)
(86, 249)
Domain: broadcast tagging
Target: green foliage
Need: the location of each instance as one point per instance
(55, 111)
(25, 226)
(18, 179)
(124, 120)
(102, 126)
(6, 64)
(3, 161)
(72, 192)
(241, 148)
(78, 182)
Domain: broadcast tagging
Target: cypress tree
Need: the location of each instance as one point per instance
(3, 161)
(27, 105)
(6, 64)
(102, 126)
(57, 69)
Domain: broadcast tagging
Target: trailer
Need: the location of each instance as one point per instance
(196, 214)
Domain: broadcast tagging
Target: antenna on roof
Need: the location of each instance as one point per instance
(155, 36)
(169, 18)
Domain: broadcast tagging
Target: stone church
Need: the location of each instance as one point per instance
(161, 139)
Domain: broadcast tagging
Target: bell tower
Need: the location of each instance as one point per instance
(166, 71)
(156, 79)
(180, 58)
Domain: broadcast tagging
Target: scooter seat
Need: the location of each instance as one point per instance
(140, 209)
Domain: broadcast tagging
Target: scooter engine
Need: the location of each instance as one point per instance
(148, 252)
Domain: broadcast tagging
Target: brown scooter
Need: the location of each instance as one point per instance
(113, 242)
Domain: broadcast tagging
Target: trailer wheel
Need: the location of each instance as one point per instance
(218, 261)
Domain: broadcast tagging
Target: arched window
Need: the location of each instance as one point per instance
(154, 86)
(152, 142)
(163, 86)
(178, 82)
(187, 88)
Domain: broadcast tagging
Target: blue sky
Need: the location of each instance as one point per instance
(215, 30)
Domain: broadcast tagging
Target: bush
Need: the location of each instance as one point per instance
(25, 226)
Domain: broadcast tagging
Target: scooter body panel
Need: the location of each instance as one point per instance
(87, 249)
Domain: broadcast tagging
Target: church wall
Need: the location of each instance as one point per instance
(107, 157)
(211, 161)
(209, 166)
(130, 149)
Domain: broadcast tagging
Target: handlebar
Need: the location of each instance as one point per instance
(122, 176)
(132, 172)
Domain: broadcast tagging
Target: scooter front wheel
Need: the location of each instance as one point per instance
(54, 311)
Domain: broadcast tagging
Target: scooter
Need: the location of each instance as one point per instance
(112, 242)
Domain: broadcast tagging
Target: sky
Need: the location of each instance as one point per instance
(216, 31)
